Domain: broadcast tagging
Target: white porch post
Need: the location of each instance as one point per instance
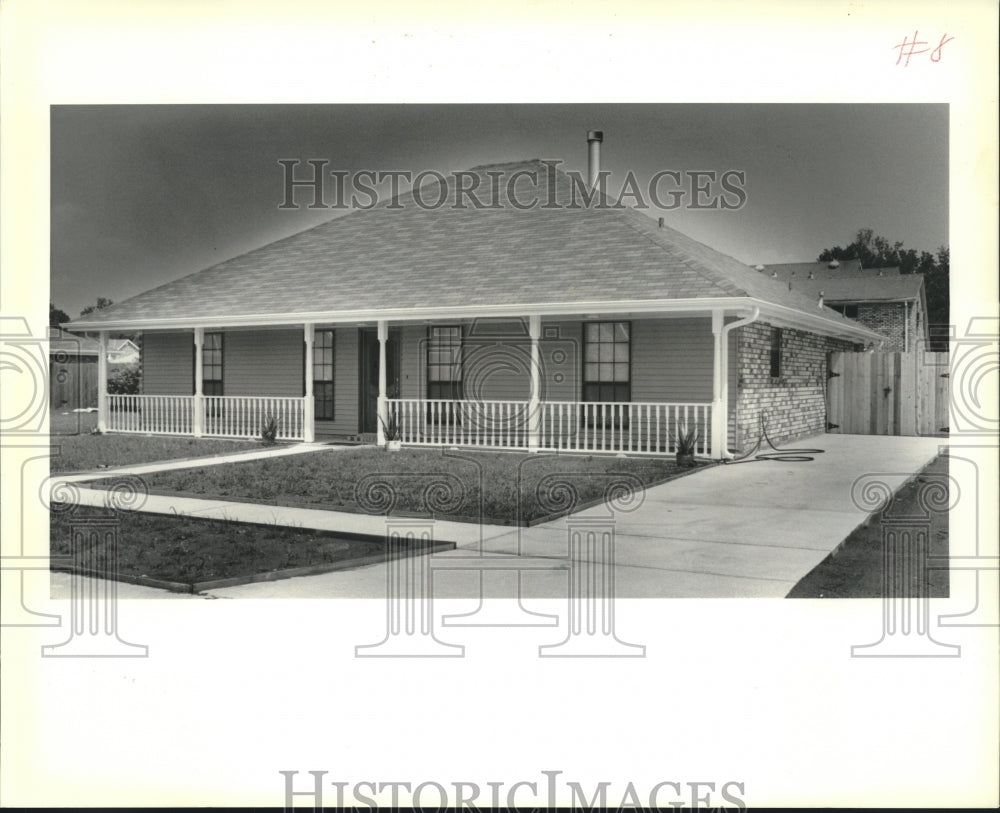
(198, 419)
(308, 402)
(102, 383)
(718, 381)
(534, 400)
(381, 411)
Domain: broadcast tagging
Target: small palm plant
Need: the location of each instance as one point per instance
(269, 430)
(685, 444)
(392, 430)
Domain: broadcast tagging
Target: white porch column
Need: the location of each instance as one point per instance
(382, 412)
(718, 383)
(308, 402)
(198, 418)
(534, 398)
(102, 383)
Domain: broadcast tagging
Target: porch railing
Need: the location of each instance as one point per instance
(226, 416)
(645, 428)
(243, 416)
(151, 414)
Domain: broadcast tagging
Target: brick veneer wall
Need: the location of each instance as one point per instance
(887, 318)
(794, 404)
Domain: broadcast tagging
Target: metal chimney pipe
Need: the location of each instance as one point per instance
(594, 139)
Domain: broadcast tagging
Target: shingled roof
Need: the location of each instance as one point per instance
(399, 256)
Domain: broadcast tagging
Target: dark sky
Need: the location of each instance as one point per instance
(144, 194)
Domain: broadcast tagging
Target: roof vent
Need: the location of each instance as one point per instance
(759, 267)
(880, 272)
(662, 221)
(820, 303)
(833, 264)
(774, 274)
(812, 275)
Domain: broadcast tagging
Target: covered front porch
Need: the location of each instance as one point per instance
(595, 383)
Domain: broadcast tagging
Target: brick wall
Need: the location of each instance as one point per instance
(795, 403)
(887, 318)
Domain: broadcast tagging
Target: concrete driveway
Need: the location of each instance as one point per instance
(734, 531)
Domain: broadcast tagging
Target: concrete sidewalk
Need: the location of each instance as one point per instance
(733, 531)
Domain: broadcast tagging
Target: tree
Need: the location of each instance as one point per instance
(102, 303)
(876, 251)
(57, 316)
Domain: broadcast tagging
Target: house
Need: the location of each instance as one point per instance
(123, 351)
(72, 370)
(538, 324)
(890, 303)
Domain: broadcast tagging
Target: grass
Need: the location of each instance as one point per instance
(74, 448)
(855, 569)
(493, 487)
(189, 550)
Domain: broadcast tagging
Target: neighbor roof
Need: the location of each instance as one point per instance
(827, 270)
(848, 282)
(66, 344)
(404, 257)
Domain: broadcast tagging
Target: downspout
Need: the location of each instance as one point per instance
(724, 370)
(906, 327)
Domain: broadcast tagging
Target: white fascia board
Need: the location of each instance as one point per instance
(735, 305)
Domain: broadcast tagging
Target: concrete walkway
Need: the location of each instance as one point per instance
(734, 531)
(196, 462)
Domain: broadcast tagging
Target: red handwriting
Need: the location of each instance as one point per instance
(908, 48)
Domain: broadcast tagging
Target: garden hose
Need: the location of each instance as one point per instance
(787, 455)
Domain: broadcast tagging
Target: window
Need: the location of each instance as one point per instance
(444, 362)
(211, 364)
(606, 361)
(776, 352)
(322, 373)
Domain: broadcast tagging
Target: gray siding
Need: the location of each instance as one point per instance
(168, 363)
(263, 362)
(411, 361)
(672, 360)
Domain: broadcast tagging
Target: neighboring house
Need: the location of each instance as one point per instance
(882, 299)
(73, 373)
(123, 351)
(550, 327)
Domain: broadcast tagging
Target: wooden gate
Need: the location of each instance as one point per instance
(887, 393)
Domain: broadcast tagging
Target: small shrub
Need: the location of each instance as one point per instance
(124, 381)
(269, 431)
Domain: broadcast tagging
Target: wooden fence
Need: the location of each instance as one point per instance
(73, 382)
(888, 393)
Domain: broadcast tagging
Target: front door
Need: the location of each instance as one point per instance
(368, 352)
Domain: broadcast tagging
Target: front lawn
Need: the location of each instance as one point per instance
(856, 568)
(75, 449)
(187, 550)
(492, 487)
